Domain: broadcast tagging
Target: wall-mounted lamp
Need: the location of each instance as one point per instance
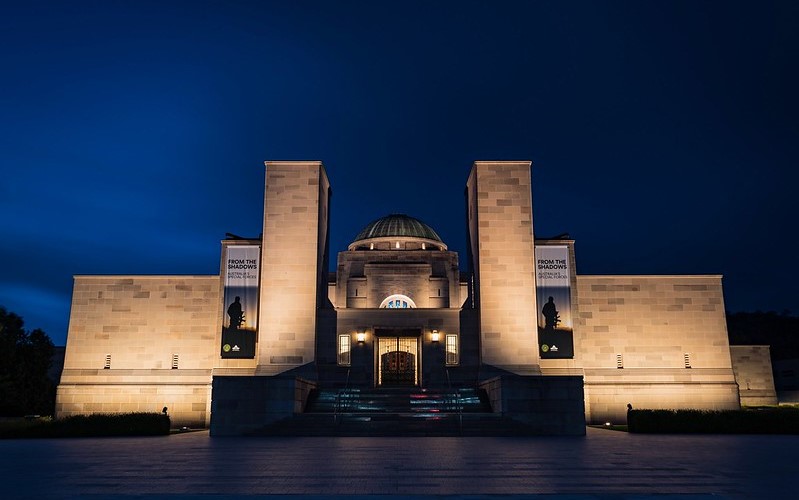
(360, 337)
(435, 337)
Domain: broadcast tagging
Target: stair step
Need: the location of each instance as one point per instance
(395, 424)
(396, 400)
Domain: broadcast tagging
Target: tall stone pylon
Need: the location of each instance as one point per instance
(294, 253)
(502, 254)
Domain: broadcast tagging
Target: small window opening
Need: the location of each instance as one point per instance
(344, 343)
(452, 349)
(371, 246)
(396, 245)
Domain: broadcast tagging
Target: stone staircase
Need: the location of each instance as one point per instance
(396, 412)
(398, 400)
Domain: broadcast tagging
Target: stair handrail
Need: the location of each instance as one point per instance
(339, 393)
(458, 403)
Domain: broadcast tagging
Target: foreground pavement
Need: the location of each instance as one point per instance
(605, 464)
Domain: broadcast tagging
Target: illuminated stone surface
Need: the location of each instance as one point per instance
(652, 341)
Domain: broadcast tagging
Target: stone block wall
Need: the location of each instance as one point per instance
(753, 372)
(411, 280)
(135, 325)
(608, 391)
(655, 342)
(652, 321)
(366, 277)
(242, 405)
(187, 401)
(551, 405)
(500, 211)
(293, 283)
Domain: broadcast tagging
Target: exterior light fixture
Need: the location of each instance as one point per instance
(435, 336)
(361, 337)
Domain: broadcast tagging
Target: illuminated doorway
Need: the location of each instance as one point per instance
(397, 361)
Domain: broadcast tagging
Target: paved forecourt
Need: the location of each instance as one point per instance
(603, 464)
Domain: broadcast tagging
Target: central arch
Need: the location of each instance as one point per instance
(397, 301)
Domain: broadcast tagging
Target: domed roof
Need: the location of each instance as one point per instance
(397, 225)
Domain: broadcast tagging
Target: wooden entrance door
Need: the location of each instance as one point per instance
(398, 361)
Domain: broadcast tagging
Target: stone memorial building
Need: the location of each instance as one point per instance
(511, 323)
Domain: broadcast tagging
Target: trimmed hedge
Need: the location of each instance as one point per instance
(754, 421)
(97, 424)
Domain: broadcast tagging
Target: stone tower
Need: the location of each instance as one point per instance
(502, 256)
(294, 263)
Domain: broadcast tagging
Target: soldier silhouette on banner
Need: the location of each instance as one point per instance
(236, 313)
(551, 315)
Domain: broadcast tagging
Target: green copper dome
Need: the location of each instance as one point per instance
(397, 225)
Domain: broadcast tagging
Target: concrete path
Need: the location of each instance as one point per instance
(604, 464)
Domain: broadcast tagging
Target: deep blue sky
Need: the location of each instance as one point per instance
(664, 135)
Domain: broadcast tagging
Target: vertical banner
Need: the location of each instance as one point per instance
(553, 293)
(240, 306)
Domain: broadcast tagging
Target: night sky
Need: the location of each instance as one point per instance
(664, 135)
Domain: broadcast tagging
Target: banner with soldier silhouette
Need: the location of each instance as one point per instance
(240, 307)
(553, 294)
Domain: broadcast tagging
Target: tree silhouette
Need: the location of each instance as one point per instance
(25, 358)
(780, 331)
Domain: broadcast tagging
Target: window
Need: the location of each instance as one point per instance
(397, 301)
(107, 365)
(174, 361)
(452, 349)
(344, 343)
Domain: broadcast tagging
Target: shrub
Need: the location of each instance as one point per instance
(753, 421)
(97, 424)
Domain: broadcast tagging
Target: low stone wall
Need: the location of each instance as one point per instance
(607, 401)
(752, 367)
(608, 391)
(551, 405)
(242, 405)
(187, 403)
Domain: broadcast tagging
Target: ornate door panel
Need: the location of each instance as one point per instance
(398, 361)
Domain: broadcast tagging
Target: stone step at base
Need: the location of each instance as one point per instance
(395, 424)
